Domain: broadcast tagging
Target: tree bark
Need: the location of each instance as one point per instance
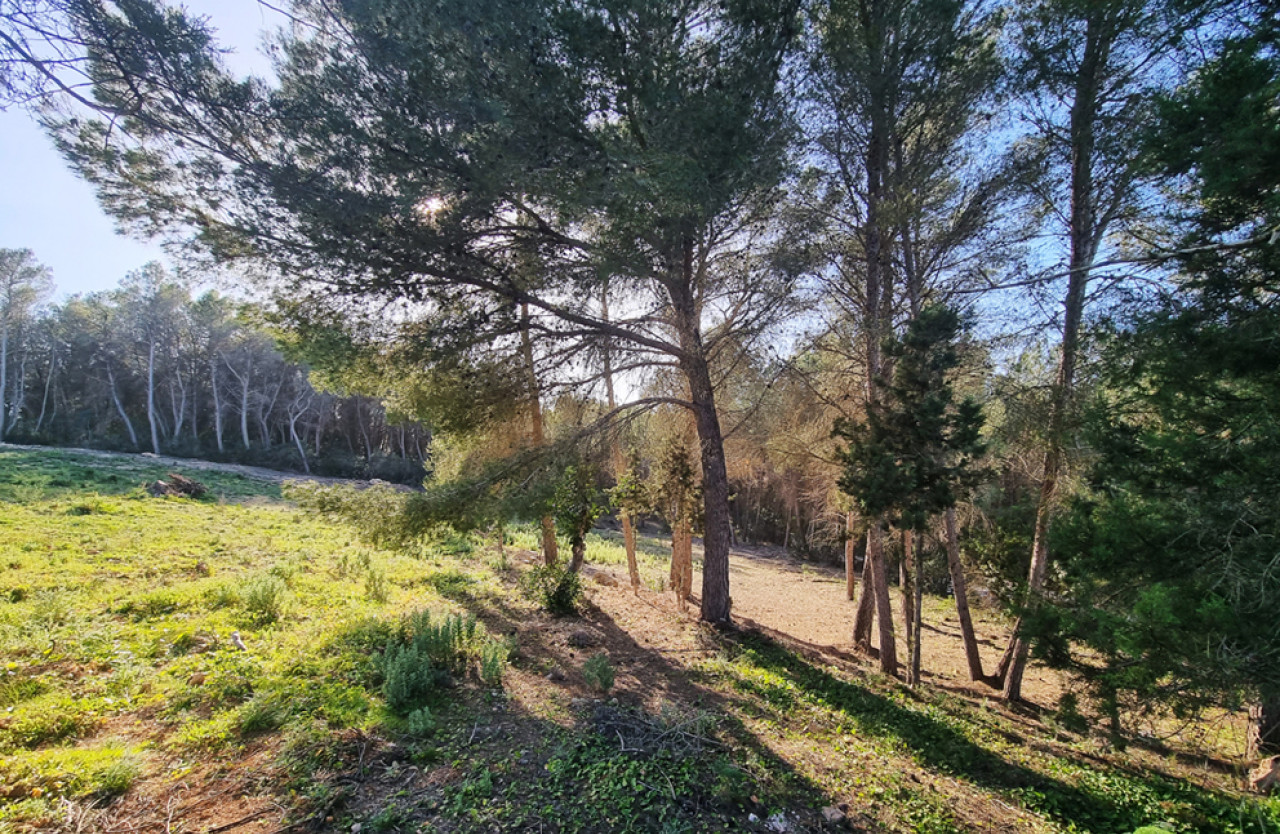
(906, 570)
(715, 477)
(884, 608)
(960, 588)
(1264, 729)
(550, 548)
(578, 550)
(918, 592)
(866, 613)
(1084, 237)
(682, 561)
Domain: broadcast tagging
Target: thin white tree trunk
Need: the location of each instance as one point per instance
(115, 398)
(151, 397)
(217, 403)
(4, 375)
(48, 381)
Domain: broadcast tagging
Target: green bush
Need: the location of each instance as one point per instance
(420, 722)
(409, 678)
(557, 590)
(598, 672)
(263, 598)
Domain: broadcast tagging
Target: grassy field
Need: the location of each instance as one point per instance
(127, 705)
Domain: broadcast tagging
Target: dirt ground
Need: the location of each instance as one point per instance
(807, 603)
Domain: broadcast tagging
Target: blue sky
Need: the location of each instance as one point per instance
(44, 207)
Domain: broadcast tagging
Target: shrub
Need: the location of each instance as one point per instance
(493, 657)
(420, 722)
(263, 598)
(557, 590)
(409, 678)
(598, 672)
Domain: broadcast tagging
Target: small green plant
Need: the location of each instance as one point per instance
(263, 599)
(375, 586)
(493, 658)
(409, 678)
(420, 722)
(598, 672)
(557, 590)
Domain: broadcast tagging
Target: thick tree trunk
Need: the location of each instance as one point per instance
(1085, 236)
(550, 548)
(717, 537)
(578, 549)
(884, 608)
(960, 588)
(1264, 729)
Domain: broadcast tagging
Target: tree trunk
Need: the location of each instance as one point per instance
(850, 552)
(960, 588)
(715, 477)
(906, 569)
(217, 403)
(151, 396)
(115, 398)
(550, 548)
(918, 591)
(302, 452)
(578, 548)
(877, 299)
(866, 614)
(19, 392)
(48, 382)
(244, 410)
(4, 375)
(1085, 237)
(682, 561)
(1264, 729)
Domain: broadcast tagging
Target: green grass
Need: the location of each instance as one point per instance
(117, 607)
(118, 667)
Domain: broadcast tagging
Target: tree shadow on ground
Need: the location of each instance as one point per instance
(648, 679)
(941, 746)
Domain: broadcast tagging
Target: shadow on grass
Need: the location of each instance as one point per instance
(1113, 801)
(647, 676)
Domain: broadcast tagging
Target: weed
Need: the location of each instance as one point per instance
(263, 599)
(409, 678)
(493, 659)
(598, 672)
(375, 586)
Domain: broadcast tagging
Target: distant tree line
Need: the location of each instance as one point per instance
(147, 367)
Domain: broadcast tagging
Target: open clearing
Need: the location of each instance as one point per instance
(126, 705)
